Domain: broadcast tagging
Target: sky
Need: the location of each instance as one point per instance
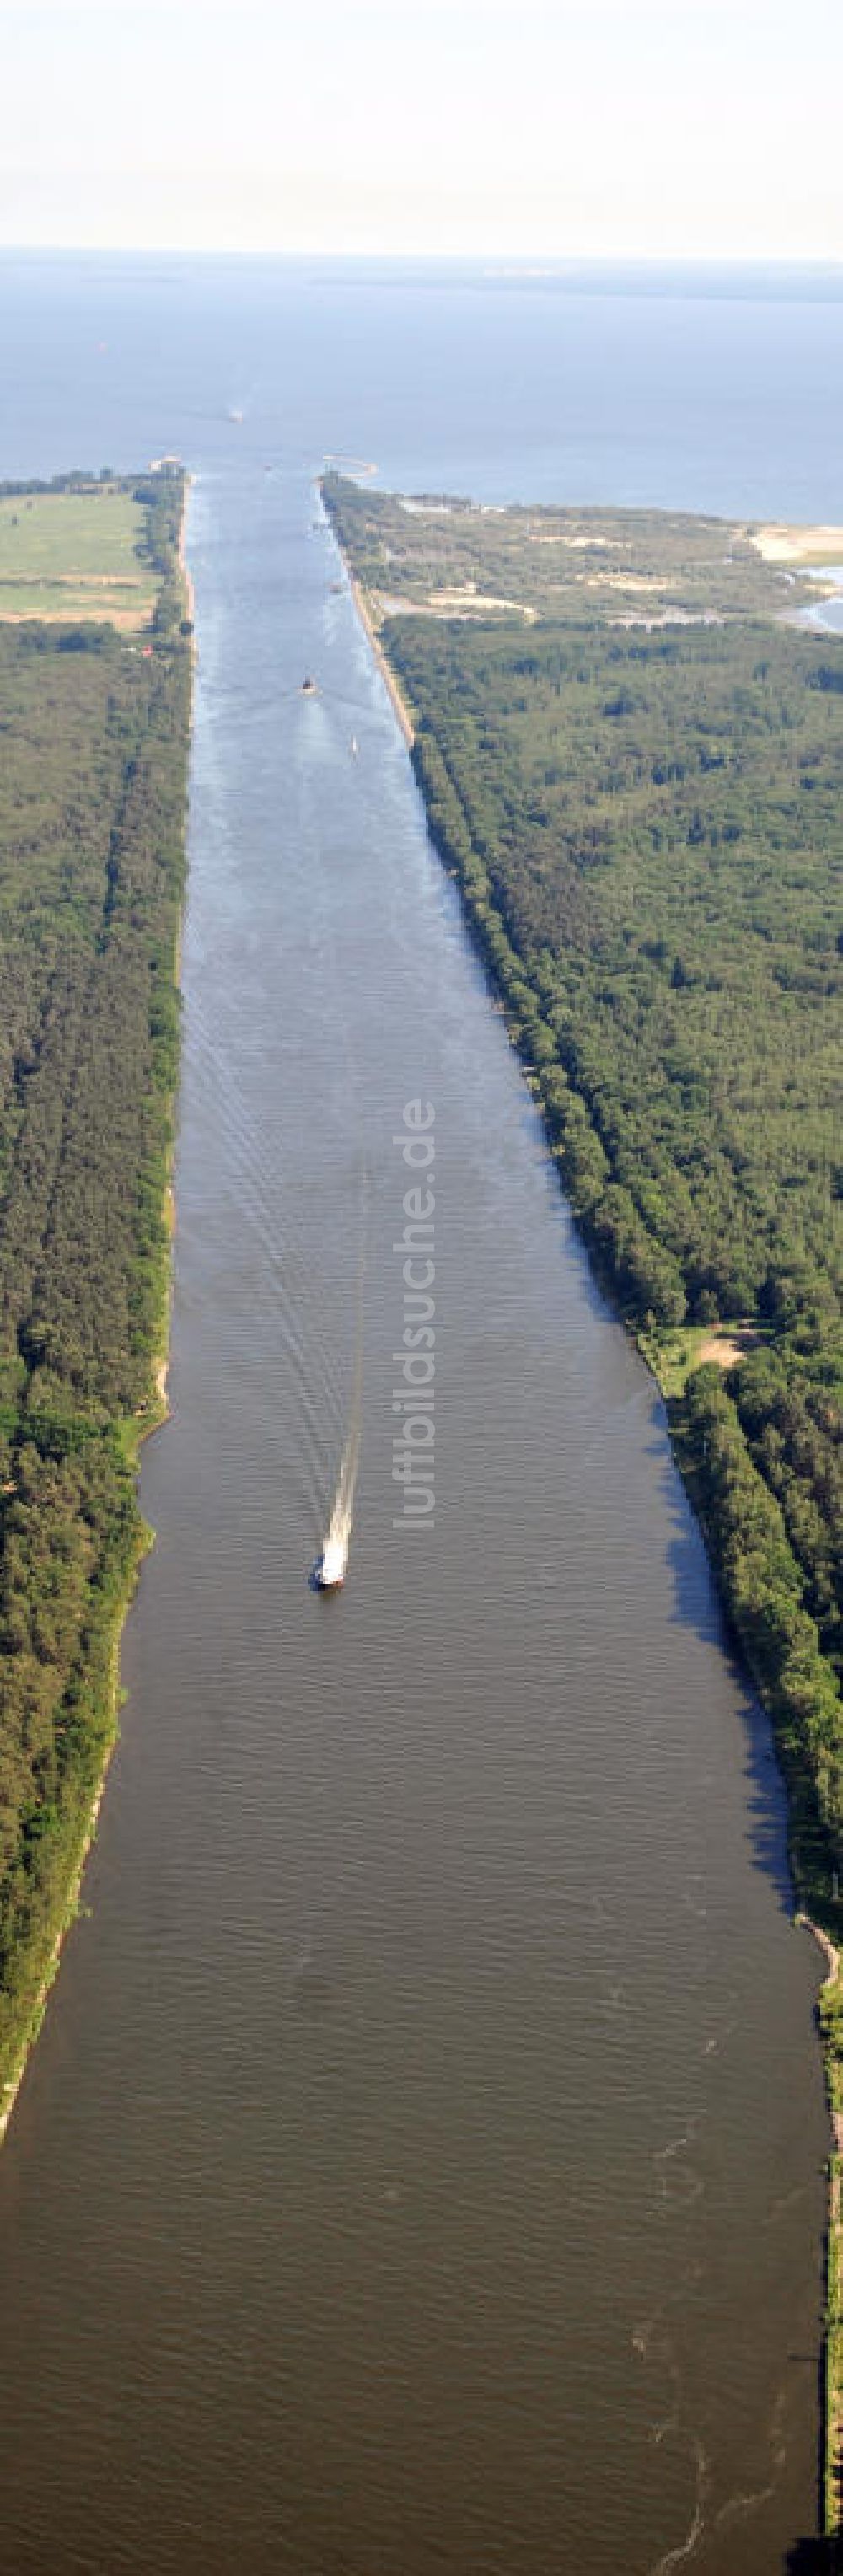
(556, 129)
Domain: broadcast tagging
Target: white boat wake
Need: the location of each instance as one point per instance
(334, 1557)
(331, 1565)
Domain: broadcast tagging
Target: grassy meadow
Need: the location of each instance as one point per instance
(76, 555)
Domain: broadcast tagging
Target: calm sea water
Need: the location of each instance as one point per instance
(716, 393)
(420, 2168)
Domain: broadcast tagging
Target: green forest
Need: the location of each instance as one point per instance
(92, 801)
(646, 823)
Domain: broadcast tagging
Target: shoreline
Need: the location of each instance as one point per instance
(186, 574)
(832, 2376)
(398, 701)
(161, 1363)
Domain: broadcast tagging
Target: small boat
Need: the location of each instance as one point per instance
(354, 746)
(329, 1570)
(308, 686)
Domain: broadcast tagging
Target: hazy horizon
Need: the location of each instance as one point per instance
(689, 128)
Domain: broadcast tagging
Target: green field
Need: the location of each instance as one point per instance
(76, 555)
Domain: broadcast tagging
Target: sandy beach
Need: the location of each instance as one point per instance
(398, 702)
(781, 544)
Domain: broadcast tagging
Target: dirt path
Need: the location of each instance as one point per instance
(726, 1347)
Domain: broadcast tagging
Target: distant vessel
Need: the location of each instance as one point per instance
(308, 686)
(354, 746)
(235, 414)
(329, 1570)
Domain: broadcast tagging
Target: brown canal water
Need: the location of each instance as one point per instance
(420, 2172)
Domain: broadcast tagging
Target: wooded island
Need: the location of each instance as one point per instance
(95, 719)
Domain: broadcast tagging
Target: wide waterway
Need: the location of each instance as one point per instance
(420, 2168)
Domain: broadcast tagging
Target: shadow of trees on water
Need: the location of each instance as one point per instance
(814, 2558)
(698, 1607)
